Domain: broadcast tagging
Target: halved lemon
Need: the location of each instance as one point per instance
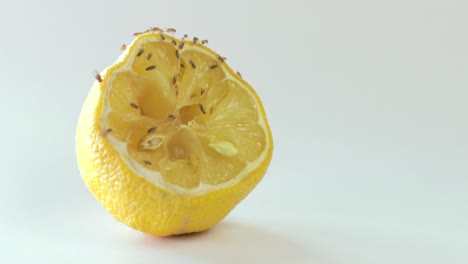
(170, 139)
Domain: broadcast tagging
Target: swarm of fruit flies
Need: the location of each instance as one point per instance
(150, 143)
(196, 40)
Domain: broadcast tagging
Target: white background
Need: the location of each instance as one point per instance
(367, 101)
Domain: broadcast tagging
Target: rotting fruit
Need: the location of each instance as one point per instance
(170, 139)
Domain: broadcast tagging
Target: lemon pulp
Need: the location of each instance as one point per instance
(180, 119)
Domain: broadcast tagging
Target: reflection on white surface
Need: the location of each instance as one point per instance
(232, 241)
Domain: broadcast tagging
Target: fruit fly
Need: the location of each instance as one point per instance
(204, 41)
(174, 79)
(195, 40)
(106, 131)
(171, 30)
(149, 56)
(177, 54)
(238, 73)
(181, 45)
(151, 130)
(214, 66)
(192, 64)
(202, 109)
(133, 105)
(221, 59)
(149, 68)
(123, 47)
(140, 52)
(147, 162)
(155, 29)
(97, 76)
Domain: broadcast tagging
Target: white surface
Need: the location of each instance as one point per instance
(367, 101)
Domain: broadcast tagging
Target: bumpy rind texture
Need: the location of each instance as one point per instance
(136, 202)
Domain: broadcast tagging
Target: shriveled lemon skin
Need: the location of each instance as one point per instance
(135, 201)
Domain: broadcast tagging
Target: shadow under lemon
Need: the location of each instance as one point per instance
(236, 242)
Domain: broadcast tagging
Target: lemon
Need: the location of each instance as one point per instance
(170, 139)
